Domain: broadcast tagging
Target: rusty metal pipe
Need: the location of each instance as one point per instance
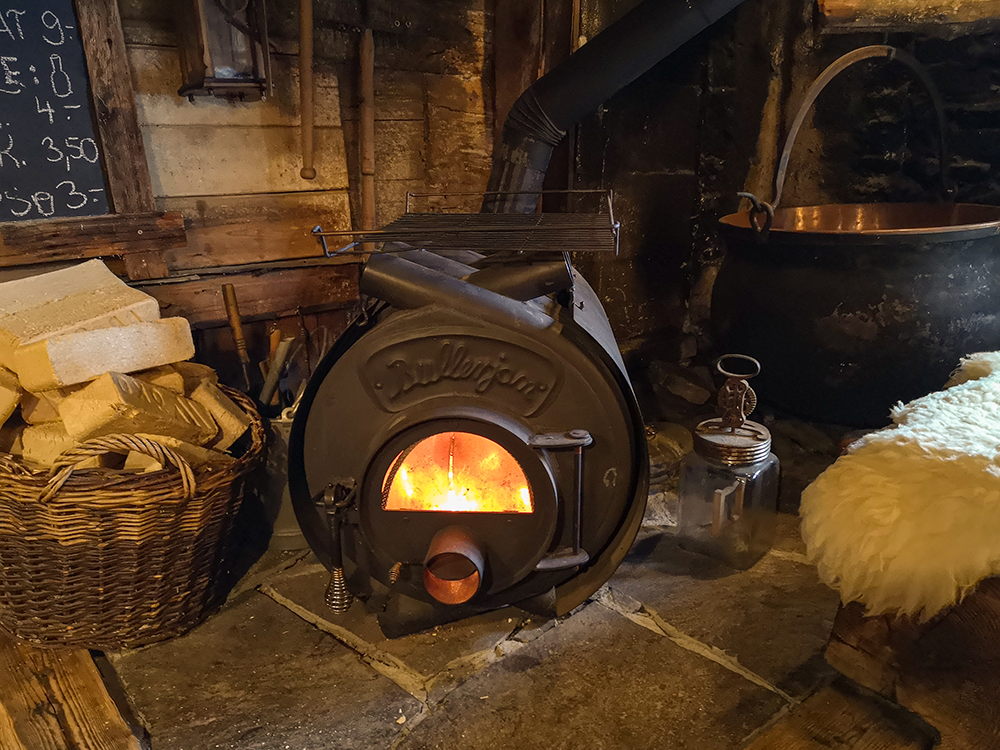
(454, 567)
(308, 171)
(408, 286)
(607, 63)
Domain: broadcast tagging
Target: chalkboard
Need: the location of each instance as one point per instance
(50, 163)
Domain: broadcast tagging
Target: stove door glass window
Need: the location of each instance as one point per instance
(457, 471)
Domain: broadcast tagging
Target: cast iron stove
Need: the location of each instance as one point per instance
(472, 441)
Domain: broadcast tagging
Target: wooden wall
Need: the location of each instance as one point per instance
(232, 169)
(227, 173)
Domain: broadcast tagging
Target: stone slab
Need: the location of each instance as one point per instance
(775, 618)
(789, 537)
(598, 681)
(256, 677)
(799, 467)
(429, 654)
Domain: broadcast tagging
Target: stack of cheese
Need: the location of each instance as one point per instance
(83, 355)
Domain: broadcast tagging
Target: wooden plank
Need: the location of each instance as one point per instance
(191, 160)
(25, 701)
(947, 670)
(31, 242)
(155, 78)
(262, 294)
(146, 265)
(232, 229)
(129, 187)
(400, 149)
(838, 718)
(910, 11)
(458, 151)
(454, 93)
(54, 699)
(950, 674)
(89, 717)
(517, 54)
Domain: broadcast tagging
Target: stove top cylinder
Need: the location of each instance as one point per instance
(488, 450)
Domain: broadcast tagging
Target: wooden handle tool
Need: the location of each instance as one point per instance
(236, 327)
(276, 369)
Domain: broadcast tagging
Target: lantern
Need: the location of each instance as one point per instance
(223, 49)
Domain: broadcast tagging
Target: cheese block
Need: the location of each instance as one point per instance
(10, 393)
(193, 454)
(165, 377)
(195, 374)
(11, 439)
(118, 403)
(73, 358)
(44, 443)
(84, 297)
(232, 420)
(39, 408)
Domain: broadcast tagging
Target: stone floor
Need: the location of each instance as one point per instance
(674, 650)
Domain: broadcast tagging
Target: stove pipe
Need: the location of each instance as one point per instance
(607, 63)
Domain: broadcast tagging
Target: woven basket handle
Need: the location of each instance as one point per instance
(71, 460)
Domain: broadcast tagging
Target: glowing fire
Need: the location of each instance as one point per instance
(457, 471)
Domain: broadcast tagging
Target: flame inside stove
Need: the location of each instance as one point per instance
(457, 471)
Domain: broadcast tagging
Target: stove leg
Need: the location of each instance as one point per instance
(337, 597)
(337, 497)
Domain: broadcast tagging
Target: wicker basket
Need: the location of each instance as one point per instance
(100, 559)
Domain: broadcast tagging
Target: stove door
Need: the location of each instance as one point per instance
(458, 472)
(461, 483)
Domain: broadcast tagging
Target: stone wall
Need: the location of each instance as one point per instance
(676, 146)
(873, 136)
(709, 121)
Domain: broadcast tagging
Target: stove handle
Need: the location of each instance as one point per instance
(576, 440)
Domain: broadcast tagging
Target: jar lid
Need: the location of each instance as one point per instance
(733, 446)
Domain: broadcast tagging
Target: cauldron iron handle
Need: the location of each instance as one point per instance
(864, 53)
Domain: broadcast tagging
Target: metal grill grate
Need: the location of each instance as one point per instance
(492, 234)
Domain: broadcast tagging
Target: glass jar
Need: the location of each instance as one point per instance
(728, 494)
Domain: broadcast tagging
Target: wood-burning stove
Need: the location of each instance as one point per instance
(463, 449)
(466, 366)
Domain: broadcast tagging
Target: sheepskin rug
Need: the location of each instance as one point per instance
(908, 521)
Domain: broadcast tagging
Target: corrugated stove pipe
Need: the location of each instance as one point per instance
(610, 61)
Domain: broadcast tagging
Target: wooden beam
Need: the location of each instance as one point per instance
(129, 185)
(130, 189)
(226, 230)
(517, 46)
(262, 294)
(839, 718)
(31, 242)
(899, 13)
(54, 699)
(947, 670)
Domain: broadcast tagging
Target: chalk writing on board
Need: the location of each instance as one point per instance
(50, 161)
